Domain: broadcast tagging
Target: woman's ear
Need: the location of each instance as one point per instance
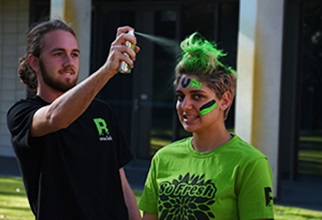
(33, 62)
(225, 101)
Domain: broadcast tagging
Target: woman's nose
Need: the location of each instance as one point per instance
(186, 104)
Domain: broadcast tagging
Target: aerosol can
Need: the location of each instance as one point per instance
(124, 67)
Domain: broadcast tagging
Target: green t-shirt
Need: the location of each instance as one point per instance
(231, 182)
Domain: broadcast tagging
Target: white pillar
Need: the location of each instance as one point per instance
(78, 14)
(259, 76)
(57, 9)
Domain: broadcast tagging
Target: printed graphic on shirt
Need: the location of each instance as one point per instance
(103, 131)
(188, 197)
(268, 196)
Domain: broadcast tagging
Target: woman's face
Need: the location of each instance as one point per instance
(197, 105)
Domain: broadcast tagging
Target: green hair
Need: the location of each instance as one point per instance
(200, 54)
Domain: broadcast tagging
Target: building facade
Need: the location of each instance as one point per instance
(276, 47)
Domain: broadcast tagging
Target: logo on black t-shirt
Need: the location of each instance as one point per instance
(103, 131)
(188, 197)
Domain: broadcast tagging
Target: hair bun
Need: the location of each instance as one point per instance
(27, 75)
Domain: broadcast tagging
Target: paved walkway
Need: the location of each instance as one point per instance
(9, 167)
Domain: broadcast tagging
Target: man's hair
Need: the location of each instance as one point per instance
(200, 58)
(35, 43)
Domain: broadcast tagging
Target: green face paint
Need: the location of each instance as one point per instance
(195, 83)
(208, 107)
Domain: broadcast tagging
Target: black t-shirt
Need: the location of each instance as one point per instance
(72, 173)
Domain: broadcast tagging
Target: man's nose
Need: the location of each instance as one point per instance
(68, 59)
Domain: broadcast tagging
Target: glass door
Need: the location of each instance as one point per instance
(309, 160)
(300, 145)
(152, 121)
(144, 100)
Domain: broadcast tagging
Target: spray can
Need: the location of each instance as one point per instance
(124, 67)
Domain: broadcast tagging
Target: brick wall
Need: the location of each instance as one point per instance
(14, 15)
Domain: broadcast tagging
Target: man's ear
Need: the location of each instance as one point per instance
(225, 101)
(33, 62)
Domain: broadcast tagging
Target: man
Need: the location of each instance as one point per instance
(69, 146)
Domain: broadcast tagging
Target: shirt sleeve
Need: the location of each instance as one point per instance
(19, 119)
(255, 195)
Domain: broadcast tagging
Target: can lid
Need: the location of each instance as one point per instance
(131, 32)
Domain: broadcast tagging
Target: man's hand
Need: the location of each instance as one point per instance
(117, 50)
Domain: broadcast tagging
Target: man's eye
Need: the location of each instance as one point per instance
(58, 54)
(75, 55)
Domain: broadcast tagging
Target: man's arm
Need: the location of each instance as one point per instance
(147, 216)
(70, 105)
(134, 213)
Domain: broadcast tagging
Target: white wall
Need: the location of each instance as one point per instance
(14, 15)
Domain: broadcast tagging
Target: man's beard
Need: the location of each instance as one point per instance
(54, 84)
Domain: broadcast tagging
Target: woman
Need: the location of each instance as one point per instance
(213, 174)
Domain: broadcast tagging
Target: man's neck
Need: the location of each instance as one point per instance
(48, 95)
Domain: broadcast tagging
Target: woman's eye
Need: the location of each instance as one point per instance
(179, 97)
(196, 97)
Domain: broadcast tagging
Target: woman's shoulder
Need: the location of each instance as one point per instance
(243, 148)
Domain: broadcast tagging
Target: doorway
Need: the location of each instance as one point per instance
(144, 100)
(301, 121)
